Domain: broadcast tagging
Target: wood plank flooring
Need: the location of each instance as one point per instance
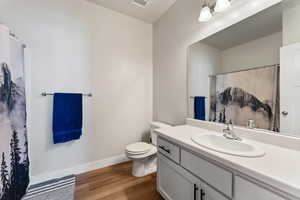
(115, 183)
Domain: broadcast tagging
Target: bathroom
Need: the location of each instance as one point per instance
(139, 68)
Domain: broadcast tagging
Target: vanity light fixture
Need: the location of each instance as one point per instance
(205, 14)
(207, 10)
(221, 5)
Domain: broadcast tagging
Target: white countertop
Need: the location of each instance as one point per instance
(280, 167)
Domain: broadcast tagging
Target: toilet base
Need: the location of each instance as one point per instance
(143, 167)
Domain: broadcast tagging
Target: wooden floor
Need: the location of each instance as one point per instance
(115, 183)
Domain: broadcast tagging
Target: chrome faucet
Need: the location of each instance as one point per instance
(229, 133)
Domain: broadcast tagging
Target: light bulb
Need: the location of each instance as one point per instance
(222, 5)
(205, 14)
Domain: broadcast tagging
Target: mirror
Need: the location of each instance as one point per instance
(249, 73)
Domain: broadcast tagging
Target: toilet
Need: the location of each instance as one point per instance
(143, 154)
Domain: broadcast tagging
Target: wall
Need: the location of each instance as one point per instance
(260, 52)
(291, 16)
(204, 60)
(174, 32)
(77, 46)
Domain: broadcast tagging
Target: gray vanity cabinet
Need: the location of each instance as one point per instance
(183, 175)
(177, 183)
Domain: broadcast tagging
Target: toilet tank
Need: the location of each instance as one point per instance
(153, 126)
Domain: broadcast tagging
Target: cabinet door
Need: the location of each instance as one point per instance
(173, 185)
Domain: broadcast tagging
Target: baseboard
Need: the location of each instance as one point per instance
(79, 169)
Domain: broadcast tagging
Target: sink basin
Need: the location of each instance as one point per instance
(231, 147)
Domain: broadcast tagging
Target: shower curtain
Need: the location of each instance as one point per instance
(247, 95)
(14, 169)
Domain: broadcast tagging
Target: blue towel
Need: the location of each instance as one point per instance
(67, 117)
(199, 108)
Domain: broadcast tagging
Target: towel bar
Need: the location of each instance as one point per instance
(44, 94)
(192, 97)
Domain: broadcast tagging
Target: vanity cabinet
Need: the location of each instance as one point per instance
(184, 175)
(176, 183)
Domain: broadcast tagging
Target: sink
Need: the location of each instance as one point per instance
(221, 144)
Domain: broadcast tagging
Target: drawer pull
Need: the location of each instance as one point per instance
(164, 149)
(202, 194)
(195, 191)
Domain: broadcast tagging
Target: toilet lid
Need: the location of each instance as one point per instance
(138, 148)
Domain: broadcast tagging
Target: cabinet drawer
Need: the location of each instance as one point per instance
(215, 176)
(246, 190)
(170, 150)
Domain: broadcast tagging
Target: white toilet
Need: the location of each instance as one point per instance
(143, 154)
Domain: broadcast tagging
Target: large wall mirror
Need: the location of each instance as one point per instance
(249, 73)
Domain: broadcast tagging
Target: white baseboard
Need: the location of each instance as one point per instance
(79, 169)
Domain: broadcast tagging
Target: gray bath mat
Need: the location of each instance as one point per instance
(57, 189)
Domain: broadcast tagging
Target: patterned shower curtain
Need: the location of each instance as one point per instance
(247, 95)
(14, 169)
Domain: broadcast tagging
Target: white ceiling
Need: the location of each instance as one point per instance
(262, 24)
(152, 12)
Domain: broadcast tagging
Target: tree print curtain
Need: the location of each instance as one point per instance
(14, 170)
(247, 95)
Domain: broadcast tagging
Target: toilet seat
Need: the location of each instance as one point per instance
(150, 153)
(138, 148)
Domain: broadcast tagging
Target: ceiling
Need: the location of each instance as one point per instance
(262, 24)
(152, 12)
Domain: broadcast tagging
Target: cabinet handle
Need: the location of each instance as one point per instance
(195, 191)
(165, 149)
(202, 194)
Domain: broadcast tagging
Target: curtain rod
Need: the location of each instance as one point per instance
(15, 37)
(11, 34)
(243, 70)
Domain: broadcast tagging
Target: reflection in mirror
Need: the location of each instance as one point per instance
(240, 76)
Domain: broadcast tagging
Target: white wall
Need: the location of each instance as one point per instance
(80, 47)
(173, 34)
(260, 52)
(204, 60)
(291, 16)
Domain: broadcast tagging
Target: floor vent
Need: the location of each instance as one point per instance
(141, 3)
(57, 189)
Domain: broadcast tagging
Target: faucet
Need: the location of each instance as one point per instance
(229, 133)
